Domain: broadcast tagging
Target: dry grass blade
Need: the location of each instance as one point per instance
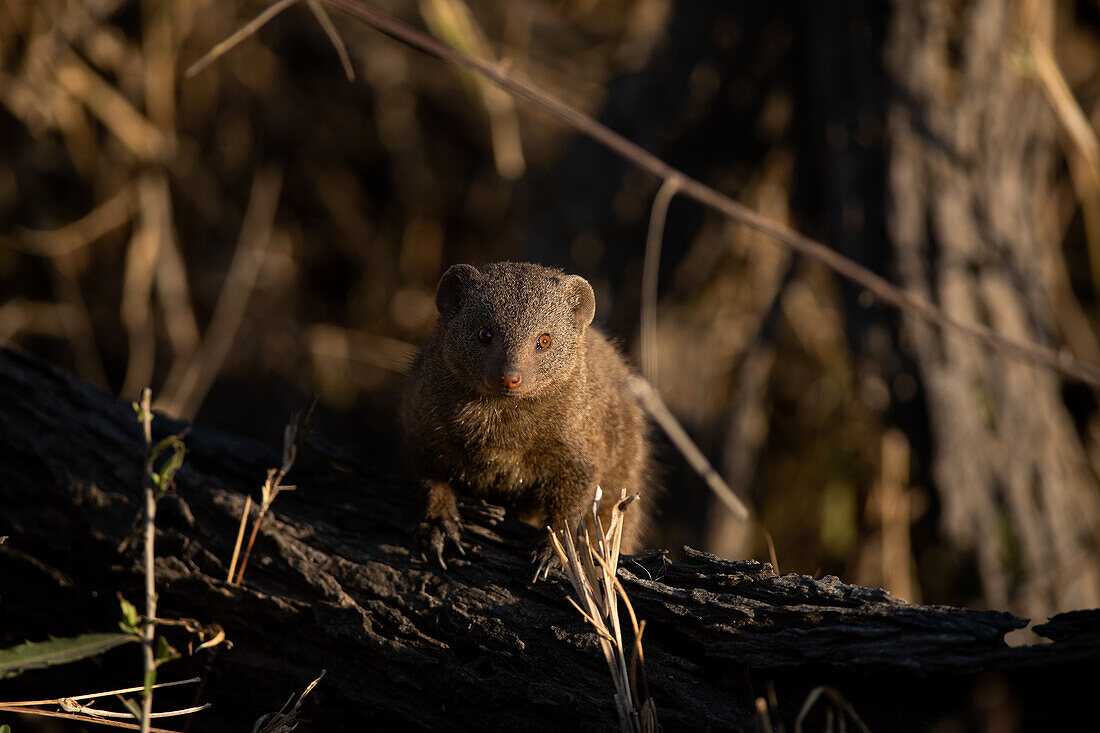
(240, 538)
(108, 216)
(87, 719)
(239, 35)
(592, 573)
(334, 36)
(184, 396)
(144, 139)
(90, 695)
(452, 21)
(137, 284)
(78, 321)
(650, 271)
(838, 699)
(261, 19)
(285, 720)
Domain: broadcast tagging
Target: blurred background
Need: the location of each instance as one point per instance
(274, 226)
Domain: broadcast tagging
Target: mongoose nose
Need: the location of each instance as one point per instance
(510, 379)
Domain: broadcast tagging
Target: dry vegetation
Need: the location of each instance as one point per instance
(268, 228)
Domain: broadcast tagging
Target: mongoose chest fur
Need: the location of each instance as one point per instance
(517, 398)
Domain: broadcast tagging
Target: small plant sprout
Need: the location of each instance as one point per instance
(592, 574)
(158, 479)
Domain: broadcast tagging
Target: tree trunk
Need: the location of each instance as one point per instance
(971, 142)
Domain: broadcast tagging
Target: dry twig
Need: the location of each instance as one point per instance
(292, 438)
(652, 403)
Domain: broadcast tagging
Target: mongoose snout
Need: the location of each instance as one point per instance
(511, 378)
(516, 397)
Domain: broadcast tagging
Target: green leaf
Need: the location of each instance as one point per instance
(38, 654)
(5, 729)
(165, 651)
(131, 621)
(150, 680)
(132, 706)
(162, 479)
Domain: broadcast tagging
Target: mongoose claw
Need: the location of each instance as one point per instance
(544, 559)
(433, 534)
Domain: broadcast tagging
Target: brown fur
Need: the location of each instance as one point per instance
(542, 444)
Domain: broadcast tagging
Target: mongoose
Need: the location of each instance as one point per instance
(516, 398)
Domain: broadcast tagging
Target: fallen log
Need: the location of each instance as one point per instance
(334, 584)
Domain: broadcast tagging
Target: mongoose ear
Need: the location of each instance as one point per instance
(583, 299)
(453, 287)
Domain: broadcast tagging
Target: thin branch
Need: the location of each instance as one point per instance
(652, 403)
(148, 631)
(881, 288)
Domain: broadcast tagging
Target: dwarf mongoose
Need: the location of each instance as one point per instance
(516, 397)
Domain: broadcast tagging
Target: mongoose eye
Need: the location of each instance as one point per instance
(484, 335)
(544, 341)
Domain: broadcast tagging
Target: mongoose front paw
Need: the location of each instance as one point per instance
(544, 560)
(433, 533)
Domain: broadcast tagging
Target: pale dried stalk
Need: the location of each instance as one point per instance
(650, 271)
(144, 139)
(452, 21)
(187, 386)
(103, 219)
(592, 573)
(1083, 154)
(135, 309)
(240, 538)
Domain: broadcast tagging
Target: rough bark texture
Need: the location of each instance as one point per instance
(971, 144)
(333, 585)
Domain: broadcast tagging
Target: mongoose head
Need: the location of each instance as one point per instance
(511, 329)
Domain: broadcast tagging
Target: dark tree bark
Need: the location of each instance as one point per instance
(971, 146)
(333, 585)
